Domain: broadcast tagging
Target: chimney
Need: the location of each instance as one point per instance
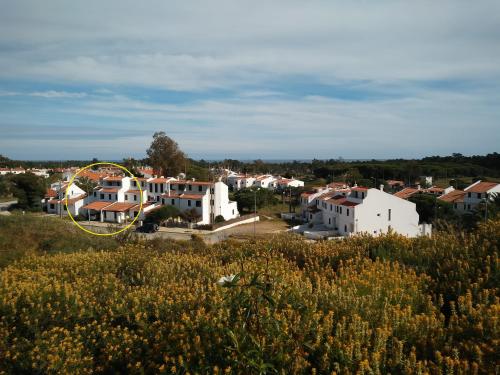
(418, 186)
(193, 179)
(381, 187)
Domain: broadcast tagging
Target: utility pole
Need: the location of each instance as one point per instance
(254, 213)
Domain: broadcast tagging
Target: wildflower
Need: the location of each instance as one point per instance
(226, 279)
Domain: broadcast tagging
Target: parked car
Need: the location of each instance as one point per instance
(148, 228)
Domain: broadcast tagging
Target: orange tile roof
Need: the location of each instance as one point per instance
(119, 207)
(109, 190)
(406, 193)
(158, 180)
(453, 196)
(132, 191)
(192, 196)
(113, 178)
(70, 200)
(94, 176)
(188, 182)
(97, 205)
(481, 187)
(359, 188)
(50, 193)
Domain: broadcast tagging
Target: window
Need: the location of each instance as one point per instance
(173, 202)
(355, 194)
(198, 203)
(345, 228)
(331, 207)
(389, 214)
(109, 196)
(156, 188)
(161, 188)
(65, 208)
(150, 188)
(200, 188)
(116, 215)
(135, 197)
(126, 197)
(52, 206)
(95, 193)
(190, 187)
(362, 195)
(102, 196)
(157, 199)
(340, 209)
(469, 195)
(455, 206)
(233, 212)
(478, 195)
(347, 213)
(329, 220)
(189, 202)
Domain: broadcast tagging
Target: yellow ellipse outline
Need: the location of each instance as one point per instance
(90, 166)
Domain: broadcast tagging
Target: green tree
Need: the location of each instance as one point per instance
(86, 184)
(165, 156)
(161, 214)
(29, 191)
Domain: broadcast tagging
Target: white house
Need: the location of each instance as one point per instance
(157, 186)
(479, 192)
(371, 211)
(19, 170)
(237, 182)
(117, 199)
(284, 183)
(207, 199)
(55, 199)
(265, 182)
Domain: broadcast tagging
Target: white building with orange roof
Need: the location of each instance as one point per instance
(117, 199)
(371, 211)
(207, 199)
(479, 192)
(55, 199)
(239, 181)
(265, 182)
(157, 186)
(456, 198)
(285, 183)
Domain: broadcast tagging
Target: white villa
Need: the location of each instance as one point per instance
(207, 199)
(362, 210)
(468, 199)
(238, 181)
(55, 199)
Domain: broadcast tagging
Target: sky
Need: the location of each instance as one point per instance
(249, 79)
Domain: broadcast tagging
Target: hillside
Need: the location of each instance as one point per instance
(364, 305)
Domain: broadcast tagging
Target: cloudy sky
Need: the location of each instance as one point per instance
(249, 79)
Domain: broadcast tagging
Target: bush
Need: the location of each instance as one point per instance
(161, 214)
(362, 305)
(219, 219)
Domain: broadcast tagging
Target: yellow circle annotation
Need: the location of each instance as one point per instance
(90, 166)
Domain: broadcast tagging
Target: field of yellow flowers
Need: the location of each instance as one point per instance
(360, 306)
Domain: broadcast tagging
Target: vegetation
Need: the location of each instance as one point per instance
(22, 235)
(247, 199)
(161, 214)
(165, 156)
(364, 305)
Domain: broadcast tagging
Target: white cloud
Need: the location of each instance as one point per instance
(50, 94)
(195, 46)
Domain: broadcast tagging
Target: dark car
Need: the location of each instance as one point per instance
(148, 228)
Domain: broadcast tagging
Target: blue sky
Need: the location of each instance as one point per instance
(249, 79)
